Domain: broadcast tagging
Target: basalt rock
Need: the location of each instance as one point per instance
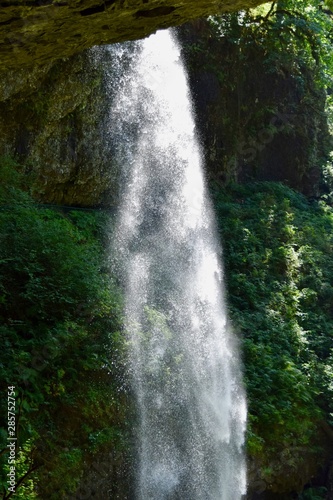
(258, 122)
(50, 92)
(53, 123)
(39, 31)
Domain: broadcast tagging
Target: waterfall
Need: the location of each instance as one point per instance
(183, 359)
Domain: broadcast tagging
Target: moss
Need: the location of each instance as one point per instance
(262, 116)
(39, 32)
(55, 131)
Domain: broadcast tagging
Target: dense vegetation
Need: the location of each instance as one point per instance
(61, 344)
(61, 318)
(262, 89)
(263, 96)
(61, 310)
(278, 252)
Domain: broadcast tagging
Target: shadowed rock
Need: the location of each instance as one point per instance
(40, 31)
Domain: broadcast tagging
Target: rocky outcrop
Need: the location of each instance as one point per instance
(254, 125)
(258, 121)
(39, 31)
(49, 89)
(53, 123)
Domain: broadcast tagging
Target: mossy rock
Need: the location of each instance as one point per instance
(39, 31)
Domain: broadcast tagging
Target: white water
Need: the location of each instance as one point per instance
(183, 361)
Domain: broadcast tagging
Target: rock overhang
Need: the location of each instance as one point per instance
(41, 31)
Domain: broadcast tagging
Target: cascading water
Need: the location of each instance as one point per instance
(184, 365)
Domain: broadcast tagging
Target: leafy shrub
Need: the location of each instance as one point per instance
(60, 326)
(279, 269)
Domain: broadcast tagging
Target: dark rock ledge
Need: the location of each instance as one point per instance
(40, 31)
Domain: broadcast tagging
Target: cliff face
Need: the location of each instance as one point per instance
(259, 120)
(254, 124)
(49, 91)
(52, 121)
(39, 31)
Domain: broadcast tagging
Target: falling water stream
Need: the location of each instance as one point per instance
(183, 359)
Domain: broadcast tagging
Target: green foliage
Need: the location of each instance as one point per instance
(264, 91)
(60, 324)
(314, 494)
(294, 33)
(278, 252)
